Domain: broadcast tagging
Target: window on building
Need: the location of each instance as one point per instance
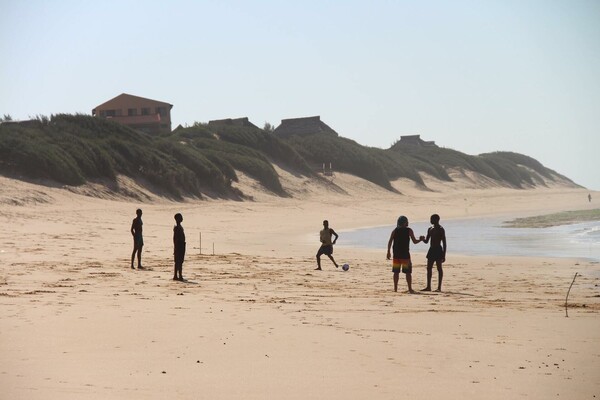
(145, 110)
(162, 111)
(132, 112)
(111, 113)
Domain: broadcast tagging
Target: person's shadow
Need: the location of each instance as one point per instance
(186, 281)
(458, 294)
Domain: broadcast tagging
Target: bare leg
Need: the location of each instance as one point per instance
(334, 263)
(409, 282)
(429, 275)
(139, 257)
(176, 266)
(440, 275)
(318, 262)
(133, 256)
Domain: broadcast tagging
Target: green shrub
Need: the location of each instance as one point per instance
(345, 155)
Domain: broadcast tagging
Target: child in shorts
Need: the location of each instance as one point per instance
(400, 239)
(178, 248)
(437, 251)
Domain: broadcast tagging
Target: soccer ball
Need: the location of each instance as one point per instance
(345, 267)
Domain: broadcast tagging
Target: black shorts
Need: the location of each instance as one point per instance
(326, 249)
(435, 253)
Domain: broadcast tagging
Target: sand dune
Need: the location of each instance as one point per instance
(255, 320)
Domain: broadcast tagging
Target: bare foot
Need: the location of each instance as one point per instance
(427, 289)
(411, 291)
(318, 269)
(438, 290)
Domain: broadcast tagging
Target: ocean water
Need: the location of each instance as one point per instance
(489, 237)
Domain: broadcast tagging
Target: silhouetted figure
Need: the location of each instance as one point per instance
(400, 238)
(138, 239)
(178, 248)
(326, 244)
(589, 197)
(437, 251)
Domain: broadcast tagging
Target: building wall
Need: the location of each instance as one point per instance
(147, 115)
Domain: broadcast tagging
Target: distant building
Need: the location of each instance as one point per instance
(244, 122)
(415, 140)
(302, 126)
(150, 116)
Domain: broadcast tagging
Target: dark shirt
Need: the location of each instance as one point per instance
(402, 242)
(178, 237)
(136, 226)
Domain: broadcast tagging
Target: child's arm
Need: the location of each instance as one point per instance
(334, 234)
(389, 255)
(428, 236)
(412, 236)
(444, 243)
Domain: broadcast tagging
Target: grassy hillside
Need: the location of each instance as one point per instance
(202, 159)
(401, 161)
(72, 149)
(513, 169)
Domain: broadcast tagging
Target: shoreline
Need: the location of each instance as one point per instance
(489, 237)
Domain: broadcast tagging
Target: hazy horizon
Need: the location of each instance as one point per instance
(473, 76)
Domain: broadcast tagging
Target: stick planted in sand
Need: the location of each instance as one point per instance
(567, 299)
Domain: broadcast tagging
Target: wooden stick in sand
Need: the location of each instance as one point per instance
(567, 299)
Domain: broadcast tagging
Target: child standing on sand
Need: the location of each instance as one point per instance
(138, 239)
(178, 247)
(437, 251)
(400, 238)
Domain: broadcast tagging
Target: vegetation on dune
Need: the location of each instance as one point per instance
(525, 161)
(205, 158)
(344, 154)
(556, 219)
(260, 140)
(72, 149)
(505, 167)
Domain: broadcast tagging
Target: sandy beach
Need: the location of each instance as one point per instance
(255, 321)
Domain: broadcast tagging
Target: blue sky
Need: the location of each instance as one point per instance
(475, 76)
